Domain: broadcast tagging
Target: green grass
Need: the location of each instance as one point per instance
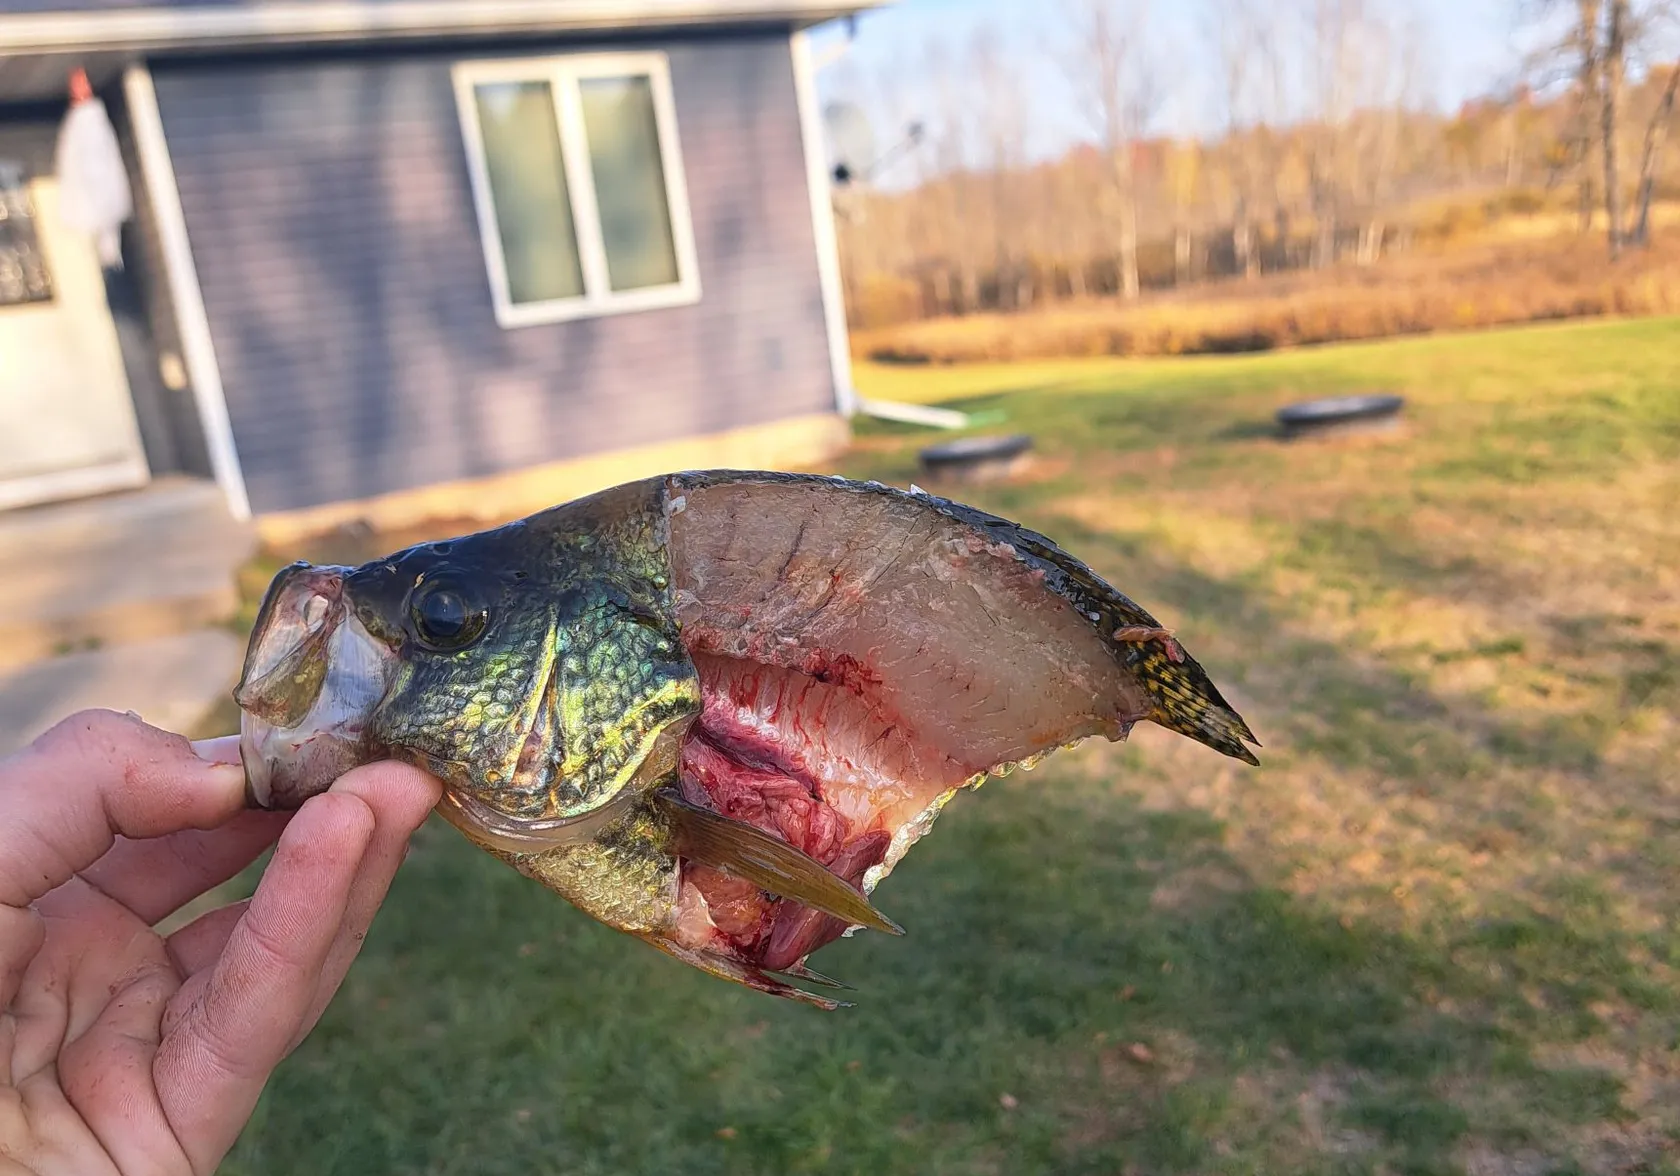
(1434, 932)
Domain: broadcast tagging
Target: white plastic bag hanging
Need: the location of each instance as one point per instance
(94, 196)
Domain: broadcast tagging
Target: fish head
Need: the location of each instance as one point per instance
(522, 666)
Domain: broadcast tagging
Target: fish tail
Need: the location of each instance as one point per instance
(1182, 697)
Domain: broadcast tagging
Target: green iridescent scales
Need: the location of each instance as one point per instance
(622, 681)
(621, 677)
(479, 705)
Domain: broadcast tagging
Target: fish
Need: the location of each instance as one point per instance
(712, 709)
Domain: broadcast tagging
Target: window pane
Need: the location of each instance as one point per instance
(629, 181)
(528, 188)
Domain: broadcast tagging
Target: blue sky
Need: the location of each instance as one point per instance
(1472, 45)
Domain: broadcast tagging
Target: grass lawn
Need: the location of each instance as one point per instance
(1434, 932)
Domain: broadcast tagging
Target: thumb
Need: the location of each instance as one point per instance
(66, 797)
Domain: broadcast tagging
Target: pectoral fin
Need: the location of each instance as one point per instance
(746, 852)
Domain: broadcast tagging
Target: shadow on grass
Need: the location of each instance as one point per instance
(1250, 429)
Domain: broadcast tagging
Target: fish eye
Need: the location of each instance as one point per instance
(447, 614)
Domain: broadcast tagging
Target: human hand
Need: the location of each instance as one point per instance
(122, 1051)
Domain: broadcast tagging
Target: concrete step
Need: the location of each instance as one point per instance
(172, 682)
(120, 568)
(170, 509)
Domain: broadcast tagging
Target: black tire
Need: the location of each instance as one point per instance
(1339, 414)
(971, 450)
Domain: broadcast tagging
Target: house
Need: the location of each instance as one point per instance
(404, 257)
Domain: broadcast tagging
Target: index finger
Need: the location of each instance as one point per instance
(66, 797)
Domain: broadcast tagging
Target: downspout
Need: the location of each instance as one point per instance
(846, 400)
(197, 347)
(822, 223)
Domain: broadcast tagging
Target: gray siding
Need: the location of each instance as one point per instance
(332, 224)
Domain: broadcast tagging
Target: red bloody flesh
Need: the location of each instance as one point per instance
(794, 756)
(847, 686)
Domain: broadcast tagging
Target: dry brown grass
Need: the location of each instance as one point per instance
(1494, 284)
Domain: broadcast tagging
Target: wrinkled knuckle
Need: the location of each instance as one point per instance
(118, 745)
(91, 733)
(272, 954)
(219, 1051)
(108, 727)
(75, 732)
(224, 1054)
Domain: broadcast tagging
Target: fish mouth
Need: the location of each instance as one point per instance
(313, 676)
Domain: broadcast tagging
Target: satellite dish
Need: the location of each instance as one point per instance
(851, 142)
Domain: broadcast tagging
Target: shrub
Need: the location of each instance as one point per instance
(1568, 277)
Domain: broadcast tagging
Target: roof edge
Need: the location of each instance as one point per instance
(294, 23)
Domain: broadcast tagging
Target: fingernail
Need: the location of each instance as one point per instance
(224, 749)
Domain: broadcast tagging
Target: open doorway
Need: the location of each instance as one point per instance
(68, 426)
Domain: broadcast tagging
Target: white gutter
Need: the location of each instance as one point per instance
(822, 224)
(181, 26)
(198, 349)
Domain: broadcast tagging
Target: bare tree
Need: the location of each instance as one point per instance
(1331, 28)
(1235, 27)
(1108, 64)
(1070, 185)
(960, 235)
(1589, 99)
(1656, 135)
(1276, 151)
(1001, 106)
(1602, 40)
(1613, 68)
(1183, 166)
(1388, 72)
(1321, 122)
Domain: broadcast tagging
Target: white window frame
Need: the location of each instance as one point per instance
(563, 73)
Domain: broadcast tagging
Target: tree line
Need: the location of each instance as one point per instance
(1321, 148)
